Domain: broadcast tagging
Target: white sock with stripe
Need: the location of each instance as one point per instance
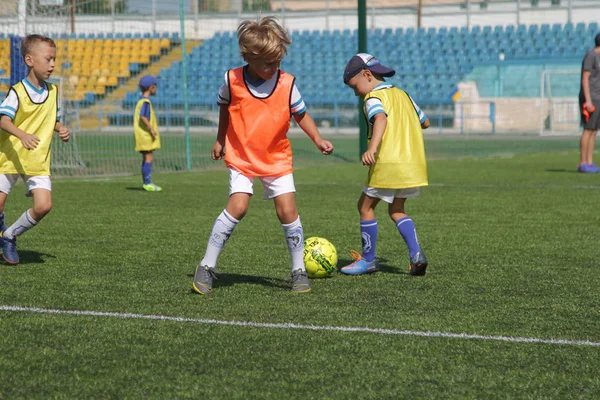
(222, 229)
(24, 223)
(294, 236)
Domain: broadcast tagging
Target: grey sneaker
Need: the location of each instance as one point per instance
(203, 279)
(300, 282)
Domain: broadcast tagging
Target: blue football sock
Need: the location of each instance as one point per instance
(406, 227)
(2, 221)
(147, 172)
(368, 233)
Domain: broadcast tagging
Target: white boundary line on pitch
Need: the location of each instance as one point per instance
(380, 331)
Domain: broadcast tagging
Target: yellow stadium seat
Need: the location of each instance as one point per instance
(165, 43)
(100, 89)
(143, 58)
(112, 81)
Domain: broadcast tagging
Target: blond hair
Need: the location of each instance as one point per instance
(29, 42)
(263, 39)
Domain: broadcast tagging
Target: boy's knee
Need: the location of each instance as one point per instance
(287, 211)
(237, 211)
(41, 210)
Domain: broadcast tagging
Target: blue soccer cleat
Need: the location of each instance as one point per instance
(594, 168)
(9, 250)
(360, 265)
(588, 168)
(418, 264)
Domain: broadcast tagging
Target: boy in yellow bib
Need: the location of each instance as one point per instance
(395, 156)
(29, 116)
(145, 129)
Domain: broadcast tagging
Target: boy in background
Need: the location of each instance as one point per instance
(29, 116)
(145, 129)
(395, 156)
(257, 102)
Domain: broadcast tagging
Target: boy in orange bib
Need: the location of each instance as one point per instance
(257, 102)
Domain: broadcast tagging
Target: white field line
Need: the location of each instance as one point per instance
(380, 331)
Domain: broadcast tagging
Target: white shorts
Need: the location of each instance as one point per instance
(388, 195)
(8, 181)
(274, 187)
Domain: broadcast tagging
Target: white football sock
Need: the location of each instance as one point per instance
(21, 225)
(294, 236)
(222, 229)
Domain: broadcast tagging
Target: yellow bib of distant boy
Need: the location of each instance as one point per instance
(400, 160)
(144, 141)
(36, 119)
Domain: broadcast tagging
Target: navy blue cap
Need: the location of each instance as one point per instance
(148, 80)
(362, 61)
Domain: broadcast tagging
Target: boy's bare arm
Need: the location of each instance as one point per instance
(149, 125)
(29, 141)
(64, 133)
(309, 127)
(218, 150)
(425, 123)
(379, 125)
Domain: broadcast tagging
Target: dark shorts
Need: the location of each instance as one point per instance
(593, 123)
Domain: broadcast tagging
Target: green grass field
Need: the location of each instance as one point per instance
(512, 236)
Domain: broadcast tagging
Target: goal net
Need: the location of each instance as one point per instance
(559, 93)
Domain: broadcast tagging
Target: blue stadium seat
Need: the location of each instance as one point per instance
(568, 27)
(533, 30)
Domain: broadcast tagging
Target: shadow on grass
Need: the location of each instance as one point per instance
(139, 189)
(569, 171)
(30, 257)
(227, 279)
(383, 266)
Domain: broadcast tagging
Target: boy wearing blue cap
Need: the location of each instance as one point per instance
(395, 156)
(145, 129)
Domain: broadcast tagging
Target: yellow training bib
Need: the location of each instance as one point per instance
(400, 160)
(34, 118)
(144, 141)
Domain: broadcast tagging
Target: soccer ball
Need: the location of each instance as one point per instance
(320, 257)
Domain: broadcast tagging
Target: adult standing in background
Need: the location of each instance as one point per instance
(589, 105)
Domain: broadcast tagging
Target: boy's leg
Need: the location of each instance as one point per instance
(285, 207)
(240, 190)
(367, 261)
(406, 228)
(283, 192)
(147, 158)
(40, 188)
(3, 197)
(223, 228)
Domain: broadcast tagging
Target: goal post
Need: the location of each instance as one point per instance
(559, 94)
